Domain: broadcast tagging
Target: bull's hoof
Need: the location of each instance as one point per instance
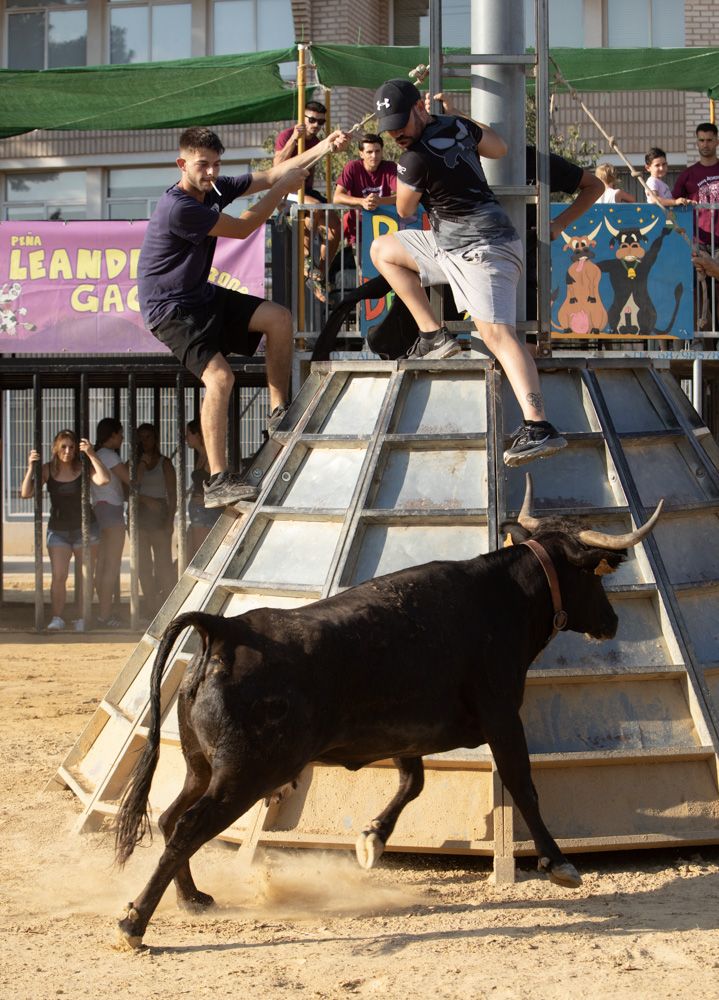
(368, 848)
(195, 903)
(127, 937)
(565, 874)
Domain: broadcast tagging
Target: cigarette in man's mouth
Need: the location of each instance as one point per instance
(216, 188)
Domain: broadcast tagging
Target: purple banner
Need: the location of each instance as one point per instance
(72, 286)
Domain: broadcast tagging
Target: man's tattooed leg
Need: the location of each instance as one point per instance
(536, 401)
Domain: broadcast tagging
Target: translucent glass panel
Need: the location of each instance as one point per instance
(639, 642)
(356, 409)
(700, 610)
(325, 478)
(298, 552)
(384, 548)
(636, 715)
(564, 398)
(424, 479)
(432, 404)
(689, 546)
(241, 603)
(667, 469)
(574, 478)
(634, 401)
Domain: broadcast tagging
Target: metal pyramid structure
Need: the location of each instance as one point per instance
(382, 465)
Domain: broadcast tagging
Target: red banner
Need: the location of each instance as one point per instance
(72, 286)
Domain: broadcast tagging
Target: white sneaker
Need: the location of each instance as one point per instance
(56, 624)
(79, 625)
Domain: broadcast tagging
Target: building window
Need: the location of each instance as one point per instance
(132, 192)
(46, 35)
(566, 23)
(150, 32)
(251, 26)
(45, 195)
(645, 23)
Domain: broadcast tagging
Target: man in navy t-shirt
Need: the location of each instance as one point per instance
(200, 322)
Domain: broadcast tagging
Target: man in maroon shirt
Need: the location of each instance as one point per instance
(328, 223)
(700, 183)
(366, 183)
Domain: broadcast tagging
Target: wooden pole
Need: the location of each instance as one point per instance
(300, 236)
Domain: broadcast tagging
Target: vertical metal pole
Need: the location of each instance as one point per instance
(181, 475)
(544, 255)
(87, 567)
(498, 100)
(133, 504)
(233, 435)
(435, 53)
(697, 387)
(156, 411)
(37, 496)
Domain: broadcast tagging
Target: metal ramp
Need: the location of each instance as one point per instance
(382, 465)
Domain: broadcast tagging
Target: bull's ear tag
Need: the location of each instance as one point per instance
(507, 541)
(603, 568)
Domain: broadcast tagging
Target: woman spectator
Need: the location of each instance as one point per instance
(157, 503)
(108, 504)
(201, 518)
(63, 477)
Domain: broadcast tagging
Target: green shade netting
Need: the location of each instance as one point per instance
(224, 90)
(584, 69)
(219, 90)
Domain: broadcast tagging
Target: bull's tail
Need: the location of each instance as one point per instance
(133, 820)
(677, 299)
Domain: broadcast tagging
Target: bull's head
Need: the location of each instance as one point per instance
(581, 558)
(629, 241)
(580, 246)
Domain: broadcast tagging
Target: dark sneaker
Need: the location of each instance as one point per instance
(227, 489)
(275, 418)
(441, 345)
(536, 440)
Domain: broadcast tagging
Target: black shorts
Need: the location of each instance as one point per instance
(195, 336)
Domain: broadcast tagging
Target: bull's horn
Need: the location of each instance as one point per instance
(525, 515)
(565, 237)
(610, 227)
(616, 542)
(645, 229)
(593, 234)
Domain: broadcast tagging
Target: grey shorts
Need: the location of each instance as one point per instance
(483, 279)
(109, 514)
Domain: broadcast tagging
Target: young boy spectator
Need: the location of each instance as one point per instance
(612, 195)
(659, 192)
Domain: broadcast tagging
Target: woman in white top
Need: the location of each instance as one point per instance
(612, 194)
(157, 503)
(108, 504)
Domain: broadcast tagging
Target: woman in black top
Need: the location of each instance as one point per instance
(63, 477)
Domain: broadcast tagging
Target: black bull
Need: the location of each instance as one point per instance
(421, 661)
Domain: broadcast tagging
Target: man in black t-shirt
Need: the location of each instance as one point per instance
(472, 246)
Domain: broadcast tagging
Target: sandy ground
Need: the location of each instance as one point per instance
(311, 923)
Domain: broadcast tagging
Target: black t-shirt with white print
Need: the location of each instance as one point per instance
(444, 166)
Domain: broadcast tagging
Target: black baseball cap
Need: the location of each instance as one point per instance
(393, 102)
